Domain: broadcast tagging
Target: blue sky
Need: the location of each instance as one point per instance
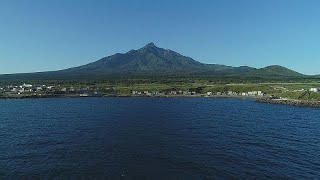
(41, 35)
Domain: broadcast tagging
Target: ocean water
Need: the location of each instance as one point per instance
(157, 138)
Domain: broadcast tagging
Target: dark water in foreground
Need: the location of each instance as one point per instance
(157, 138)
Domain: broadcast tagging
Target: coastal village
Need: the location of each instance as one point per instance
(32, 90)
(41, 90)
(194, 93)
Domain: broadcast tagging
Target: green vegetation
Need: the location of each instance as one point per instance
(198, 85)
(275, 71)
(155, 69)
(239, 88)
(310, 96)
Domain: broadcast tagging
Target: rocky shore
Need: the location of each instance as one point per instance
(291, 102)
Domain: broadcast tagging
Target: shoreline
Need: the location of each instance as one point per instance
(289, 102)
(142, 96)
(284, 101)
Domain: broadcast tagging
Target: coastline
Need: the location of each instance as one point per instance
(142, 96)
(264, 99)
(290, 102)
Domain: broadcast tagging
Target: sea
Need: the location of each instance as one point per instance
(157, 138)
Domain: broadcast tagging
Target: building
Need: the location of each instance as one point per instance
(173, 92)
(244, 94)
(27, 85)
(39, 88)
(186, 93)
(155, 93)
(314, 89)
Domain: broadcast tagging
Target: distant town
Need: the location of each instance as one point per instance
(42, 90)
(26, 90)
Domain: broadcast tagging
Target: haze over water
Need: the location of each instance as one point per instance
(157, 138)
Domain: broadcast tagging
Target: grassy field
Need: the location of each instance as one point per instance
(284, 90)
(294, 90)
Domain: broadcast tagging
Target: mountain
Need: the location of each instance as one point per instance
(275, 71)
(149, 60)
(152, 61)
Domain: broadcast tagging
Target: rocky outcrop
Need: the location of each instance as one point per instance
(291, 102)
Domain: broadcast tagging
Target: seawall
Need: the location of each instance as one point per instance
(291, 102)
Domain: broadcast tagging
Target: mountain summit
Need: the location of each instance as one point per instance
(147, 60)
(150, 45)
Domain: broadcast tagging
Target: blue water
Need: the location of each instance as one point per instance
(157, 138)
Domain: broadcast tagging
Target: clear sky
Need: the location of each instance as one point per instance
(41, 35)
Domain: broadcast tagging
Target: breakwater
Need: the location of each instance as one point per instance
(291, 102)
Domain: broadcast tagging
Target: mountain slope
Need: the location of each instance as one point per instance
(275, 71)
(152, 61)
(147, 60)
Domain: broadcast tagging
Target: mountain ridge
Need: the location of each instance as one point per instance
(151, 60)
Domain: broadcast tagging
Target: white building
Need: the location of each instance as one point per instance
(27, 85)
(260, 93)
(173, 92)
(314, 89)
(229, 92)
